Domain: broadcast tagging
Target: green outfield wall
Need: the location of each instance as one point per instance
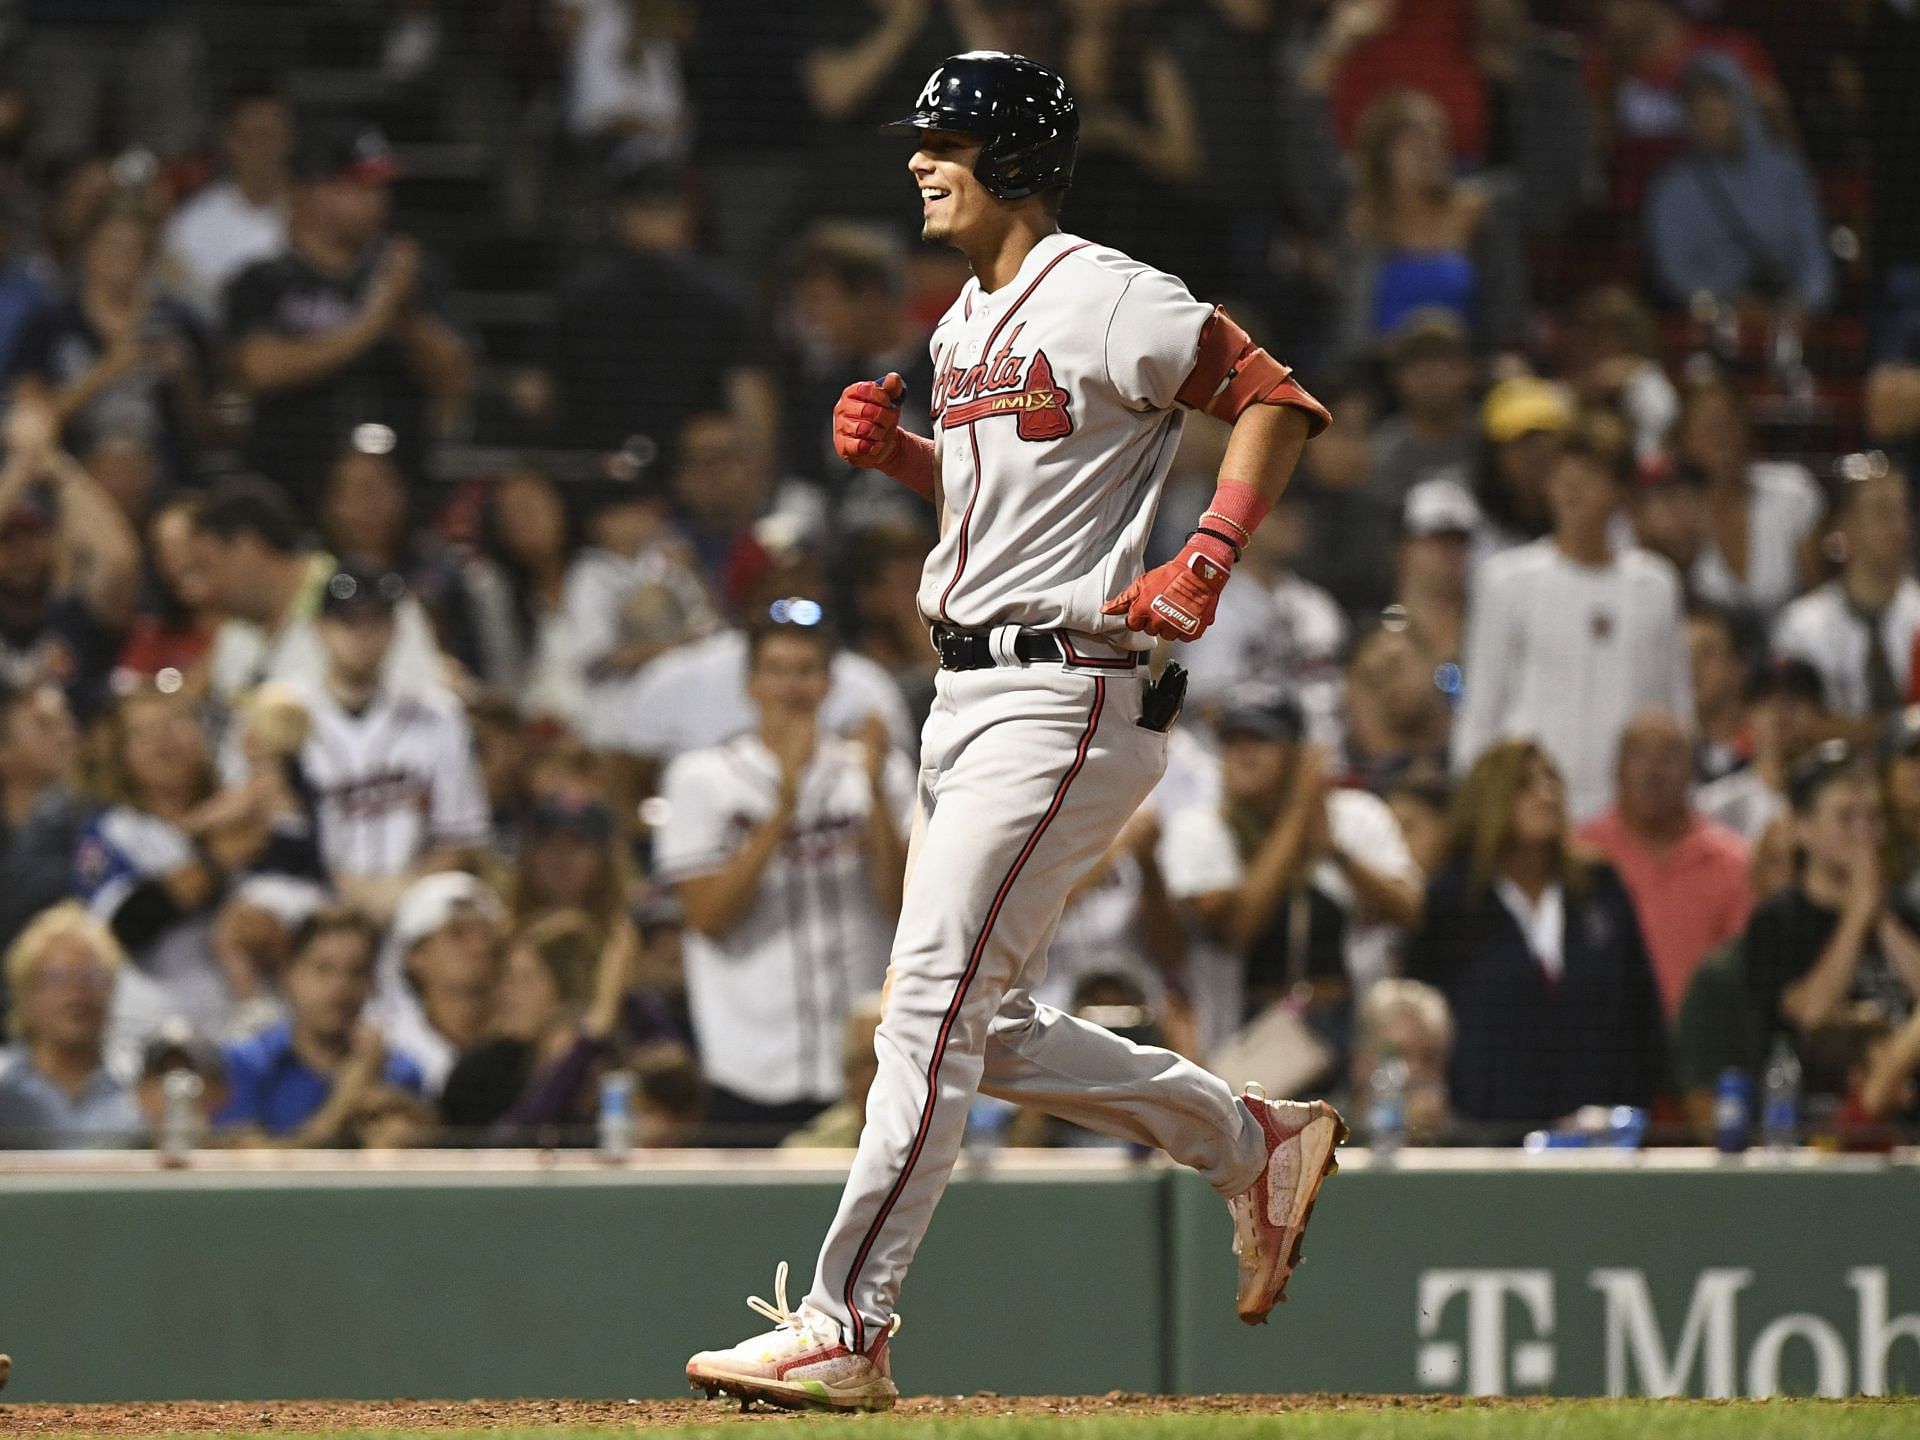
(1678, 1277)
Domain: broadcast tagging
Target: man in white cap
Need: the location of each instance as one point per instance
(437, 974)
(1430, 563)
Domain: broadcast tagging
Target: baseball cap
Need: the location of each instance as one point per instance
(1431, 332)
(434, 901)
(580, 816)
(345, 150)
(1523, 405)
(1261, 712)
(351, 589)
(1438, 507)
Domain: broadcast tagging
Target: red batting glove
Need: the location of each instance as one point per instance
(1177, 600)
(867, 433)
(866, 422)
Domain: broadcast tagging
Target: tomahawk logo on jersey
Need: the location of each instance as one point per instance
(1008, 385)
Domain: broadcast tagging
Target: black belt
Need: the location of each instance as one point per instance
(973, 650)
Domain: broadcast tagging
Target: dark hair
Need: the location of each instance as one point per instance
(252, 92)
(1600, 438)
(336, 920)
(1829, 764)
(1426, 784)
(668, 1077)
(1716, 615)
(1834, 1048)
(522, 583)
(1741, 630)
(117, 205)
(250, 505)
(765, 627)
(1701, 390)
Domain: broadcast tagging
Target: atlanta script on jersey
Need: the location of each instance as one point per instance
(1055, 419)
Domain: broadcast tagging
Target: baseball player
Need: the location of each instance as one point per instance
(1062, 375)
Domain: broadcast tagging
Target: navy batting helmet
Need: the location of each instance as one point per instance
(1021, 109)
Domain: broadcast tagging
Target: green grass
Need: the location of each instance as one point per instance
(1571, 1420)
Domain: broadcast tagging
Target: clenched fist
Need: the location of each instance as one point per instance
(866, 422)
(1177, 600)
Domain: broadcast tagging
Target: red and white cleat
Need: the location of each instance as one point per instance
(801, 1364)
(1270, 1217)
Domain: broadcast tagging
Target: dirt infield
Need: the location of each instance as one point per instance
(298, 1416)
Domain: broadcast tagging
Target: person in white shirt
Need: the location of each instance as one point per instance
(1570, 636)
(1858, 629)
(249, 556)
(697, 695)
(233, 222)
(788, 849)
(1308, 883)
(1784, 718)
(1760, 519)
(633, 592)
(625, 89)
(396, 787)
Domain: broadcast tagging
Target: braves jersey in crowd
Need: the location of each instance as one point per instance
(1082, 342)
(393, 782)
(769, 996)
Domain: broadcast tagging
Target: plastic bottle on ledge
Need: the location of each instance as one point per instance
(1780, 1111)
(1387, 1109)
(616, 1117)
(180, 1092)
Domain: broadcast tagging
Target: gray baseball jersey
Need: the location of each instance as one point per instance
(1055, 420)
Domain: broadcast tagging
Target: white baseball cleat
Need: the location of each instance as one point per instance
(801, 1364)
(1270, 1216)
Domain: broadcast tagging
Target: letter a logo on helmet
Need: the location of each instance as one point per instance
(1021, 111)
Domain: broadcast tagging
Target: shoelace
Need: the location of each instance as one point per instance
(778, 1313)
(786, 1319)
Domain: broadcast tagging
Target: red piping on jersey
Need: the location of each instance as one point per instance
(959, 998)
(966, 518)
(960, 564)
(1045, 270)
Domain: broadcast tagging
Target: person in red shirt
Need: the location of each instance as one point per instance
(1687, 875)
(1634, 74)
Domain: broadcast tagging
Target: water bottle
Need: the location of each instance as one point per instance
(1780, 1112)
(1732, 1111)
(616, 1117)
(180, 1092)
(1387, 1108)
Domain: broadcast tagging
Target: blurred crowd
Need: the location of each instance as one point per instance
(443, 664)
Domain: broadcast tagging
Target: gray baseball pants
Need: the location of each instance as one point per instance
(1027, 774)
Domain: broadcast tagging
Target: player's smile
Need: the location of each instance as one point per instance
(943, 169)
